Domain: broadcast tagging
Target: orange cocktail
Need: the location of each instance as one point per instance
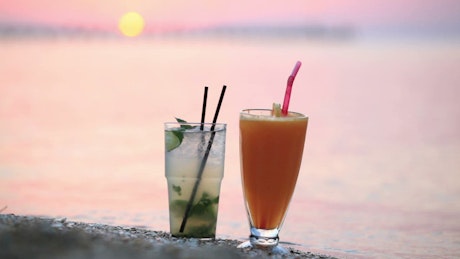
(271, 151)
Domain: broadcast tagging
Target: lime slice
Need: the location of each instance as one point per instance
(276, 110)
(173, 139)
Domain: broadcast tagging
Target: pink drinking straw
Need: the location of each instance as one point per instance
(287, 95)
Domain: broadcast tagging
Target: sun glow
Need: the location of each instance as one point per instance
(131, 24)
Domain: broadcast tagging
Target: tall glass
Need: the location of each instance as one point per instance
(271, 151)
(194, 167)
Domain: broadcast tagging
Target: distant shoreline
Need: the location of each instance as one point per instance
(8, 30)
(21, 30)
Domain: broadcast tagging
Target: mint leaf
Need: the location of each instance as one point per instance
(180, 120)
(177, 189)
(204, 208)
(203, 214)
(184, 124)
(205, 230)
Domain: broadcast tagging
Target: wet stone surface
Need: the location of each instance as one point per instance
(40, 237)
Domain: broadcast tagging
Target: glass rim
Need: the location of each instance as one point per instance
(194, 123)
(207, 126)
(297, 115)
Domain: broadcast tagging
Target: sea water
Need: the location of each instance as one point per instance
(81, 134)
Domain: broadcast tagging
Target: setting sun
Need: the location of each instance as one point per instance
(131, 24)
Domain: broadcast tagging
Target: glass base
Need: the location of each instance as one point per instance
(264, 239)
(276, 250)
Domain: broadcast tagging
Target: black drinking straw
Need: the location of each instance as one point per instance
(203, 109)
(203, 163)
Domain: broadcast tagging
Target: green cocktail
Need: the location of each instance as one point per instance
(194, 166)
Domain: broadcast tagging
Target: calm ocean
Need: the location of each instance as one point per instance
(81, 134)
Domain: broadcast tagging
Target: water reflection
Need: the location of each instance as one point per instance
(82, 135)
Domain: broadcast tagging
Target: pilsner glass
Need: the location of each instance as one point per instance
(271, 151)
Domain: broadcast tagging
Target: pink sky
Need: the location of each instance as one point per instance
(105, 13)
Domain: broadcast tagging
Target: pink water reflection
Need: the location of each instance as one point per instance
(81, 135)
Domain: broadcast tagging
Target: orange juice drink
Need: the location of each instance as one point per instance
(271, 153)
